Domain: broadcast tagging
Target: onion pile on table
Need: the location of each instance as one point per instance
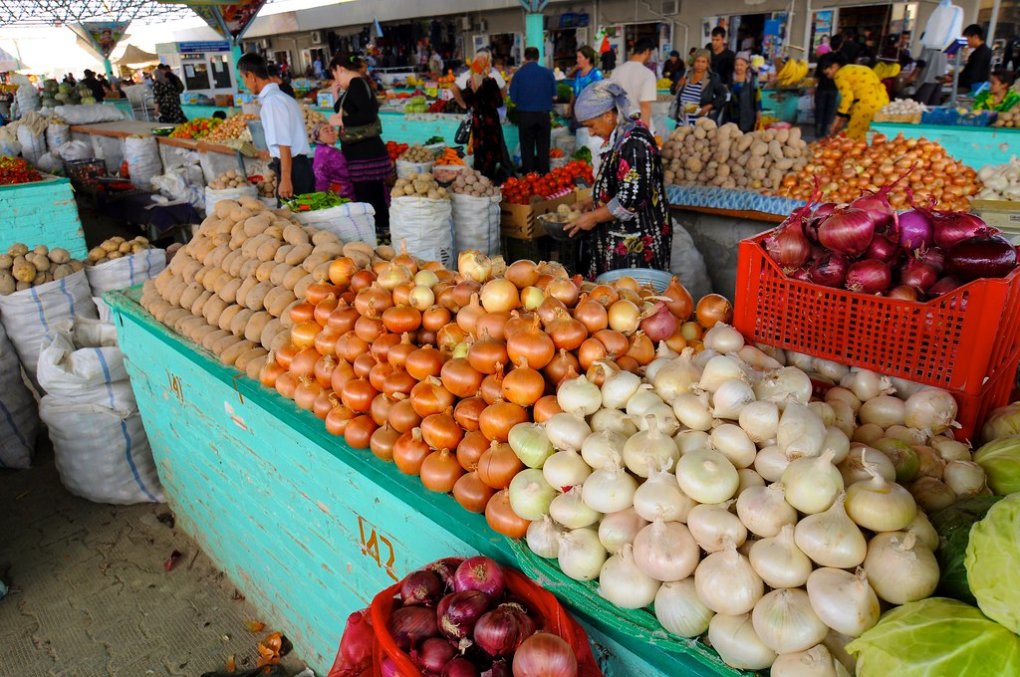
(846, 167)
(866, 246)
(715, 488)
(431, 369)
(456, 618)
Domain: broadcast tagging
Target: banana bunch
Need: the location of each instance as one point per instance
(792, 72)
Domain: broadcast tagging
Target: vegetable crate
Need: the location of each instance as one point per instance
(519, 222)
(954, 342)
(996, 392)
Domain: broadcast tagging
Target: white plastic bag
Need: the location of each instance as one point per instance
(944, 25)
(9, 141)
(85, 372)
(688, 264)
(142, 155)
(75, 150)
(425, 225)
(351, 222)
(212, 196)
(87, 114)
(30, 316)
(122, 273)
(33, 145)
(28, 98)
(19, 414)
(407, 169)
(476, 223)
(57, 134)
(49, 163)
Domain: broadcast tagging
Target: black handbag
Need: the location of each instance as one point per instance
(360, 132)
(463, 134)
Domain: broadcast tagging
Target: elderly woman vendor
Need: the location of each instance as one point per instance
(628, 225)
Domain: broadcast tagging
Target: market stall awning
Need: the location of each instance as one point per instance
(9, 62)
(134, 56)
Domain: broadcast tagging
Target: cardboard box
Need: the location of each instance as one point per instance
(1001, 214)
(518, 221)
(324, 99)
(224, 100)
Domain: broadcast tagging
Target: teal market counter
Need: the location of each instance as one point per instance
(309, 529)
(43, 212)
(973, 146)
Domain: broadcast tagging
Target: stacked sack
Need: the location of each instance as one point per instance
(99, 444)
(19, 419)
(351, 222)
(421, 216)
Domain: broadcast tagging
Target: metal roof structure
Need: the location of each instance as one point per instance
(63, 12)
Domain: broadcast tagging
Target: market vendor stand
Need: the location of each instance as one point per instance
(43, 212)
(974, 146)
(307, 528)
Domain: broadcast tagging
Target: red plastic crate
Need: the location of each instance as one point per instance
(955, 342)
(997, 391)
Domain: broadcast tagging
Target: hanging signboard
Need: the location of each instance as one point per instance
(101, 36)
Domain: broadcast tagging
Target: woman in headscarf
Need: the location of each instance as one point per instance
(482, 89)
(167, 96)
(329, 164)
(744, 105)
(628, 222)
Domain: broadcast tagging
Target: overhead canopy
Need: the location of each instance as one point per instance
(60, 12)
(133, 56)
(8, 62)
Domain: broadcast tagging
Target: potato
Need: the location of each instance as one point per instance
(18, 249)
(7, 282)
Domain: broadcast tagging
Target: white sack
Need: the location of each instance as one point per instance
(33, 146)
(75, 150)
(85, 372)
(142, 155)
(57, 134)
(426, 226)
(476, 223)
(19, 414)
(407, 169)
(87, 114)
(351, 222)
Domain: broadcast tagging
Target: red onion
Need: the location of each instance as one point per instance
(981, 256)
(878, 205)
(545, 655)
(409, 625)
(498, 669)
(445, 569)
(868, 277)
(830, 271)
(460, 667)
(356, 644)
(480, 573)
(953, 227)
(434, 654)
(916, 230)
(661, 324)
(944, 286)
(501, 631)
(458, 612)
(421, 588)
(788, 246)
(882, 249)
(847, 231)
(388, 668)
(905, 292)
(802, 274)
(918, 274)
(934, 257)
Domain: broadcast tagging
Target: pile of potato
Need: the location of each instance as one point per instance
(312, 118)
(22, 268)
(232, 287)
(418, 154)
(726, 157)
(117, 247)
(231, 179)
(267, 186)
(1010, 118)
(233, 128)
(564, 214)
(420, 185)
(472, 182)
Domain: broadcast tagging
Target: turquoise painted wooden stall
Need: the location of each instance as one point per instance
(973, 146)
(307, 528)
(43, 212)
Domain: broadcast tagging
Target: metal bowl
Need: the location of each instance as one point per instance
(555, 229)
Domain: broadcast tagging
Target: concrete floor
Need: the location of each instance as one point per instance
(89, 594)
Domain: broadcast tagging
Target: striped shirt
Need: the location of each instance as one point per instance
(690, 96)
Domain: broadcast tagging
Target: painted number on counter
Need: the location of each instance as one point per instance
(377, 547)
(175, 385)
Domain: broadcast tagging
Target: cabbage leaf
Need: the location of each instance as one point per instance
(993, 563)
(1001, 462)
(953, 525)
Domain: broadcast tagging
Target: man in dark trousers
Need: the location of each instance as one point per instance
(979, 63)
(94, 86)
(723, 57)
(533, 90)
(284, 128)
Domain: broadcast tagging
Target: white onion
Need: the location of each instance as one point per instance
(663, 417)
(680, 611)
(643, 401)
(760, 420)
(853, 467)
(692, 411)
(932, 494)
(707, 476)
(785, 621)
(880, 505)
(930, 409)
(581, 554)
(544, 537)
(905, 434)
(801, 432)
(764, 510)
(530, 495)
(758, 359)
(666, 551)
(702, 358)
(771, 463)
(737, 642)
(731, 441)
(677, 377)
(660, 497)
(714, 527)
(905, 388)
(965, 478)
(868, 433)
(619, 528)
(884, 410)
(831, 538)
(569, 510)
(844, 601)
(623, 584)
(723, 339)
(834, 371)
(824, 411)
(805, 363)
(566, 431)
(612, 420)
(651, 450)
(845, 419)
(779, 561)
(836, 644)
(815, 662)
(618, 386)
(689, 440)
(812, 484)
(579, 396)
(720, 369)
(923, 531)
(837, 442)
(727, 584)
(949, 449)
(748, 479)
(785, 385)
(845, 395)
(609, 489)
(730, 399)
(603, 448)
(867, 384)
(565, 469)
(900, 569)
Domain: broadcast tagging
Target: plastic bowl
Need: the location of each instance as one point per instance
(557, 230)
(658, 279)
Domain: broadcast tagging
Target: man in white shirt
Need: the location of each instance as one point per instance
(638, 80)
(284, 127)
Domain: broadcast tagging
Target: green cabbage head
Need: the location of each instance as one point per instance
(1001, 462)
(993, 562)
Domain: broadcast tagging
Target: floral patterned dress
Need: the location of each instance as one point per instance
(630, 184)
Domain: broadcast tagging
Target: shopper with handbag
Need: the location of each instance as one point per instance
(481, 89)
(357, 116)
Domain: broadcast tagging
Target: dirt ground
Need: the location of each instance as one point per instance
(89, 593)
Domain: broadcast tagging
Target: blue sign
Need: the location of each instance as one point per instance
(206, 46)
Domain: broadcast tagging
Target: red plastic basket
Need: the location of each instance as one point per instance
(956, 341)
(997, 392)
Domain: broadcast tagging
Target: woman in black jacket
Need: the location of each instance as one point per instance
(701, 92)
(744, 105)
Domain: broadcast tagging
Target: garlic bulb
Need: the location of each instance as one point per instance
(623, 584)
(733, 636)
(680, 611)
(785, 621)
(831, 538)
(900, 569)
(727, 584)
(714, 526)
(845, 602)
(665, 551)
(764, 510)
(779, 561)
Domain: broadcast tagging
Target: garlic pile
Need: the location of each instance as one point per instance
(1001, 182)
(715, 488)
(903, 107)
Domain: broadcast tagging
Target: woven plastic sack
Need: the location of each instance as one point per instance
(407, 169)
(127, 271)
(555, 620)
(31, 316)
(351, 222)
(33, 146)
(19, 414)
(425, 225)
(84, 365)
(476, 223)
(87, 114)
(142, 156)
(212, 196)
(57, 134)
(75, 150)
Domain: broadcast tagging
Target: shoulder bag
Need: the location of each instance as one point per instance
(360, 132)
